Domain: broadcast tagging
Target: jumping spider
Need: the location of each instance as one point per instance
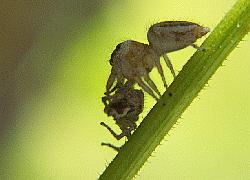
(134, 61)
(124, 106)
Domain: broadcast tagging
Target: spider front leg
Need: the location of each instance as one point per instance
(112, 78)
(117, 136)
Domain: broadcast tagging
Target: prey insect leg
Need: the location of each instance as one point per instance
(111, 146)
(117, 136)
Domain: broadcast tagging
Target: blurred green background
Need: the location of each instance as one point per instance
(54, 66)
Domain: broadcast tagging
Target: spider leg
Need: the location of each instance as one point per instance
(117, 136)
(145, 87)
(169, 64)
(120, 83)
(159, 68)
(152, 84)
(111, 146)
(110, 82)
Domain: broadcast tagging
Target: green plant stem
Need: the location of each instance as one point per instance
(193, 77)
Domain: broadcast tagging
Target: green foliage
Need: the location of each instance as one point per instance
(193, 77)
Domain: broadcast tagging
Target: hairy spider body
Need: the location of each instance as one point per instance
(134, 61)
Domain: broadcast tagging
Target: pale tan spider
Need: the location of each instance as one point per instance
(133, 60)
(125, 106)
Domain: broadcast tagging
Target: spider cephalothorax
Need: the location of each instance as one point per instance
(125, 106)
(134, 61)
